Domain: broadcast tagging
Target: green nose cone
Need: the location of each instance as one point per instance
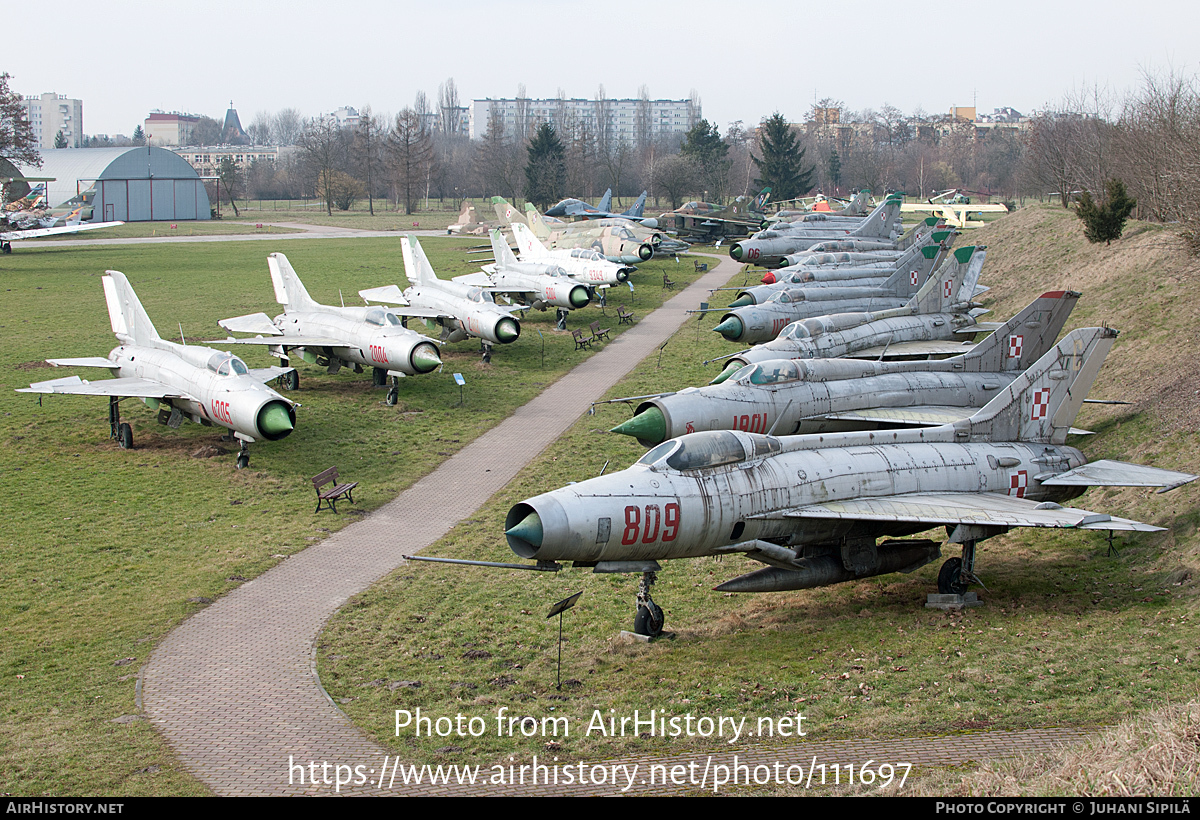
(645, 252)
(732, 328)
(729, 370)
(275, 420)
(579, 297)
(507, 330)
(425, 358)
(648, 426)
(745, 300)
(735, 251)
(529, 530)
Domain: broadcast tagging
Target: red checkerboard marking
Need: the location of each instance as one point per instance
(1041, 404)
(1015, 343)
(1017, 483)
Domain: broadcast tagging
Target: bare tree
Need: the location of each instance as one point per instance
(324, 150)
(286, 126)
(410, 151)
(675, 175)
(367, 147)
(498, 161)
(448, 106)
(521, 126)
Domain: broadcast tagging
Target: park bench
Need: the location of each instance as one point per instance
(580, 342)
(624, 317)
(667, 283)
(330, 496)
(701, 267)
(598, 333)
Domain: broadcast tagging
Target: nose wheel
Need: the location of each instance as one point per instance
(393, 394)
(649, 618)
(243, 459)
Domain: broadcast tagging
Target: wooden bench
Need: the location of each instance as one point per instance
(598, 333)
(580, 342)
(667, 283)
(331, 495)
(624, 317)
(701, 267)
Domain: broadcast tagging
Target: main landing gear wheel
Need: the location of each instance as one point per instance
(125, 436)
(243, 459)
(379, 376)
(393, 394)
(950, 580)
(290, 380)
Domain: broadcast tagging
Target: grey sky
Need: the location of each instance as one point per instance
(745, 60)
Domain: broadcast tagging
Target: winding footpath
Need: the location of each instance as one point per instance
(234, 689)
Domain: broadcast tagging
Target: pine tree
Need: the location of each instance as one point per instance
(17, 142)
(139, 136)
(1105, 221)
(60, 140)
(782, 163)
(546, 173)
(704, 146)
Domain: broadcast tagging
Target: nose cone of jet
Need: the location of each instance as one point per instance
(735, 251)
(425, 358)
(648, 427)
(729, 370)
(274, 420)
(731, 328)
(744, 300)
(768, 278)
(623, 274)
(529, 530)
(507, 330)
(645, 252)
(579, 297)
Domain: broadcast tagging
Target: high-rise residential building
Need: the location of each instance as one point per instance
(627, 120)
(51, 113)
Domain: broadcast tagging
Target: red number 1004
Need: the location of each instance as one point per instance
(647, 524)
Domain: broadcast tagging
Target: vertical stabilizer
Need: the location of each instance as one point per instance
(416, 265)
(912, 270)
(638, 209)
(953, 284)
(289, 290)
(538, 225)
(605, 201)
(879, 223)
(527, 244)
(129, 320)
(1024, 338)
(501, 251)
(505, 212)
(1040, 405)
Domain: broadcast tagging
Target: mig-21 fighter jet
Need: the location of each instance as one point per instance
(183, 381)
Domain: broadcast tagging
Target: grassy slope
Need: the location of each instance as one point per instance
(1069, 635)
(104, 550)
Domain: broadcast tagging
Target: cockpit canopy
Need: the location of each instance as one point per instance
(776, 371)
(586, 253)
(226, 364)
(480, 295)
(712, 448)
(380, 317)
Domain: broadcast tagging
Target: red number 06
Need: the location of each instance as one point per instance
(665, 520)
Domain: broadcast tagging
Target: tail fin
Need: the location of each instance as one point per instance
(953, 284)
(912, 270)
(638, 209)
(467, 215)
(501, 250)
(506, 213)
(860, 204)
(1041, 404)
(416, 264)
(879, 223)
(129, 320)
(760, 201)
(1024, 338)
(605, 201)
(538, 225)
(527, 244)
(289, 290)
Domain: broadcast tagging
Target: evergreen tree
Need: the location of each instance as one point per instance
(60, 140)
(704, 146)
(546, 173)
(835, 169)
(17, 142)
(782, 163)
(1105, 221)
(139, 136)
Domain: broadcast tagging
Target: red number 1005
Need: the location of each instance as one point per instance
(650, 522)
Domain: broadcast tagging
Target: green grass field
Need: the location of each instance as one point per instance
(105, 550)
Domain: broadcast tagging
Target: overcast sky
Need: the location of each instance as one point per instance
(745, 60)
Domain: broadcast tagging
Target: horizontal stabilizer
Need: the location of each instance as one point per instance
(897, 350)
(1107, 473)
(478, 280)
(252, 323)
(266, 374)
(389, 294)
(282, 341)
(86, 361)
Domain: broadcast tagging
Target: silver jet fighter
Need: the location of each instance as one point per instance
(758, 322)
(814, 508)
(584, 265)
(537, 284)
(334, 336)
(462, 310)
(791, 396)
(768, 248)
(183, 381)
(940, 311)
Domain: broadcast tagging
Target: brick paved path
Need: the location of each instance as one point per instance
(234, 690)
